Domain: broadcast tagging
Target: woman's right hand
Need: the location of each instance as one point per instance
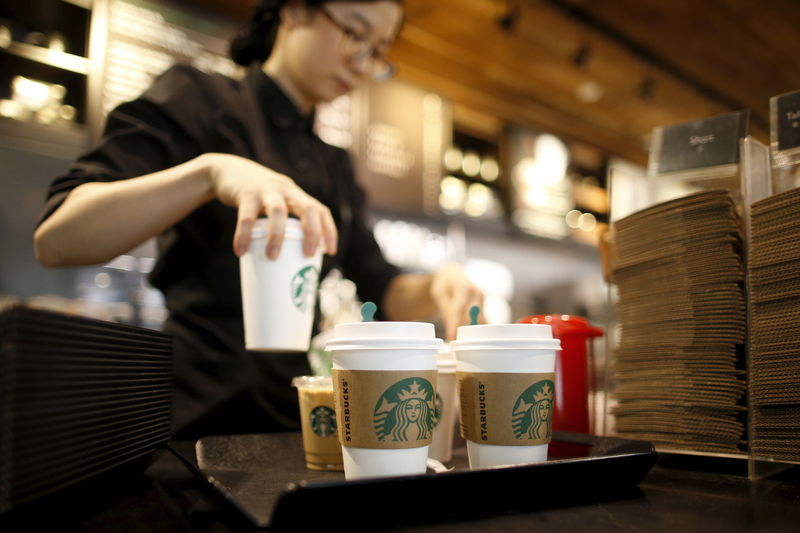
(255, 189)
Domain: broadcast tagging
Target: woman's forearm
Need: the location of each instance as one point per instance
(101, 220)
(98, 221)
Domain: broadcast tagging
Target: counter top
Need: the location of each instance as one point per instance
(168, 497)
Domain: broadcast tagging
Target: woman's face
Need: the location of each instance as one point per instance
(314, 60)
(413, 410)
(544, 410)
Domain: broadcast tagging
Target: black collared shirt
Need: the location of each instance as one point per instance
(187, 113)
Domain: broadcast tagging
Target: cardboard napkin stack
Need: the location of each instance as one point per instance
(774, 291)
(78, 397)
(678, 369)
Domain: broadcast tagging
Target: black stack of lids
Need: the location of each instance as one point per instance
(78, 397)
(679, 366)
(774, 292)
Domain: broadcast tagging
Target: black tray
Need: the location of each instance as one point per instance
(264, 478)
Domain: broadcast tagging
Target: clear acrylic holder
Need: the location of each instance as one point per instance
(756, 161)
(783, 169)
(748, 181)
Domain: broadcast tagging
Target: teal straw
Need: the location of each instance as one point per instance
(368, 311)
(474, 311)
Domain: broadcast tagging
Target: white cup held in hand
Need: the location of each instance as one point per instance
(279, 297)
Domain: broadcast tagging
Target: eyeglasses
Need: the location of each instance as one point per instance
(357, 47)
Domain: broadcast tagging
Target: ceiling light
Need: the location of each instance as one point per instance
(509, 21)
(581, 56)
(647, 89)
(589, 92)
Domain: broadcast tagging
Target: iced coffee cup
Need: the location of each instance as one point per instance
(278, 296)
(506, 383)
(446, 407)
(318, 419)
(384, 379)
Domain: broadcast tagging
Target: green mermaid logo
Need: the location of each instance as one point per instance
(437, 410)
(323, 421)
(405, 411)
(304, 285)
(531, 418)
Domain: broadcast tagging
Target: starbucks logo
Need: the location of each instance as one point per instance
(304, 285)
(437, 411)
(323, 421)
(405, 411)
(532, 414)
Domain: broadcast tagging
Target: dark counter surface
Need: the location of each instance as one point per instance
(168, 497)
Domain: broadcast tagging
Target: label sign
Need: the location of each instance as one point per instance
(702, 143)
(145, 37)
(399, 143)
(788, 120)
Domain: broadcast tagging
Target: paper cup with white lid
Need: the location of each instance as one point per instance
(384, 379)
(444, 421)
(506, 383)
(279, 296)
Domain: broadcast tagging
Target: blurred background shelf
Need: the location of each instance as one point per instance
(54, 58)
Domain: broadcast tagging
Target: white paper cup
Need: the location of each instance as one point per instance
(446, 407)
(384, 376)
(514, 365)
(279, 297)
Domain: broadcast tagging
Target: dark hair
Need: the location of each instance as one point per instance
(254, 41)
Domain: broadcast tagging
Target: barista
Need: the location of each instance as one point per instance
(198, 157)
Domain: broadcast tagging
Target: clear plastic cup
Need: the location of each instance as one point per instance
(506, 381)
(446, 407)
(279, 297)
(384, 379)
(318, 419)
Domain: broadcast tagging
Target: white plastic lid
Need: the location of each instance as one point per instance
(507, 336)
(294, 229)
(382, 329)
(316, 382)
(446, 359)
(383, 335)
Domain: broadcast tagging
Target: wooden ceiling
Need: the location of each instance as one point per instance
(599, 73)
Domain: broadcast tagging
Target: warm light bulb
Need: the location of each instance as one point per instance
(552, 158)
(452, 159)
(31, 93)
(490, 170)
(471, 164)
(587, 222)
(573, 219)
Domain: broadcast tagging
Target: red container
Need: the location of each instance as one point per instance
(574, 369)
